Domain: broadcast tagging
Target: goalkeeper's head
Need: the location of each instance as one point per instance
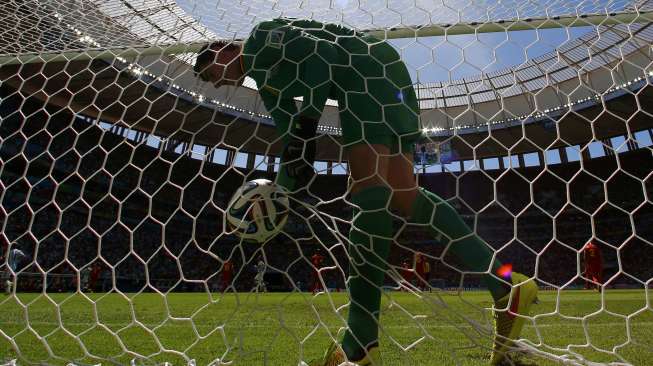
(220, 63)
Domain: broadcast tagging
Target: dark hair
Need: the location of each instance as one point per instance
(209, 51)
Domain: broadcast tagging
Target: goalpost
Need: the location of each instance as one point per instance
(117, 164)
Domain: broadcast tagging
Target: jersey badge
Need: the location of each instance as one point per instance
(274, 38)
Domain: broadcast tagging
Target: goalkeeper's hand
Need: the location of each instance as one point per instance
(298, 157)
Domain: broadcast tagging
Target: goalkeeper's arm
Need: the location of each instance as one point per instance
(307, 59)
(299, 150)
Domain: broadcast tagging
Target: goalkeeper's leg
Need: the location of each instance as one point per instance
(370, 246)
(370, 239)
(370, 249)
(424, 207)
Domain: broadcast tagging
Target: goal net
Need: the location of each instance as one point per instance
(117, 164)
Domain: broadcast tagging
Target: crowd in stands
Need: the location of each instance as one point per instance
(77, 197)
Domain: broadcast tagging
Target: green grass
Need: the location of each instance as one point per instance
(277, 329)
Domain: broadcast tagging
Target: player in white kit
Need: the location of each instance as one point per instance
(260, 276)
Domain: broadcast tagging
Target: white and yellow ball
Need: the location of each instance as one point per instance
(257, 211)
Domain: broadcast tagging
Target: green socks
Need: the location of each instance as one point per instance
(473, 252)
(370, 238)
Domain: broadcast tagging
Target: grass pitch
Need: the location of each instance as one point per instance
(285, 328)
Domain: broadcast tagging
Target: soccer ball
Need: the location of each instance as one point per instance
(257, 211)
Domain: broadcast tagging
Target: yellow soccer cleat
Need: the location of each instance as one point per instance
(335, 356)
(509, 322)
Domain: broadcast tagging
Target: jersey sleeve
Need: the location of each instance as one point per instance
(288, 62)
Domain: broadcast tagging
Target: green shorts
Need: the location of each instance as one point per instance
(366, 121)
(377, 101)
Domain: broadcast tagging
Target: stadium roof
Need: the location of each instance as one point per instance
(57, 25)
(140, 22)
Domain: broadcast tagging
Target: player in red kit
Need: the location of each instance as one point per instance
(227, 274)
(96, 270)
(316, 260)
(593, 266)
(423, 268)
(407, 272)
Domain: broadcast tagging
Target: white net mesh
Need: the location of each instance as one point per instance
(117, 165)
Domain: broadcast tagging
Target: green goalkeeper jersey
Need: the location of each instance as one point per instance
(302, 58)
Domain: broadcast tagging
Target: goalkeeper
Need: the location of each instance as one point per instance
(379, 117)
